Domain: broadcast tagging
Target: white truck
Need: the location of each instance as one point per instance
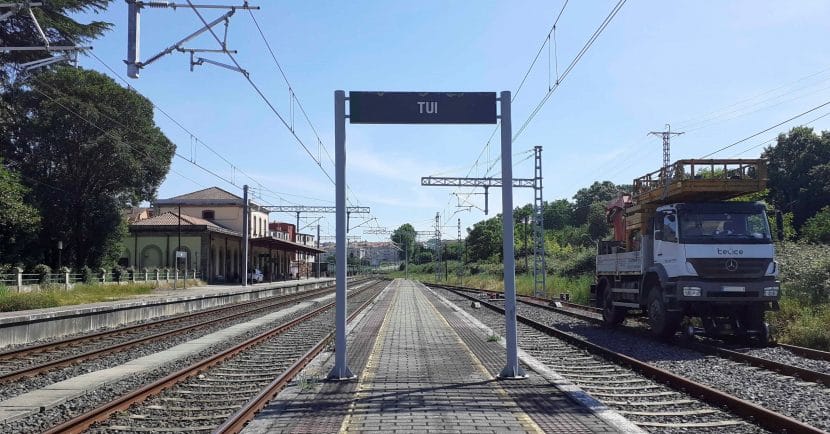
(681, 251)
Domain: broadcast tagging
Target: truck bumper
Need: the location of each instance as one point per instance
(741, 293)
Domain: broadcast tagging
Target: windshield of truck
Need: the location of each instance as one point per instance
(724, 227)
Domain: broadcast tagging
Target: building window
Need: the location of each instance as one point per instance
(208, 214)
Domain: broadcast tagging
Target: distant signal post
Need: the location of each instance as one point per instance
(425, 108)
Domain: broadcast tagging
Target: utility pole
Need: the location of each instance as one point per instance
(178, 249)
(539, 266)
(666, 149)
(460, 255)
(317, 257)
(437, 247)
(246, 235)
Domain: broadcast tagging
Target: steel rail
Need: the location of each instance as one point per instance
(811, 353)
(86, 420)
(237, 421)
(71, 360)
(764, 417)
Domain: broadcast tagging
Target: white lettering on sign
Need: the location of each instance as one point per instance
(428, 107)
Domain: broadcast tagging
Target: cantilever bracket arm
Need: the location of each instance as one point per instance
(202, 60)
(178, 45)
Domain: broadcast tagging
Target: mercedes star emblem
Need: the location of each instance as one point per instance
(731, 264)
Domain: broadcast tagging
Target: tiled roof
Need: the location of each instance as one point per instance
(211, 193)
(172, 219)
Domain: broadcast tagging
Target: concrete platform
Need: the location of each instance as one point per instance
(32, 325)
(424, 366)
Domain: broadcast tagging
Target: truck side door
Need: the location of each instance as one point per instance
(667, 250)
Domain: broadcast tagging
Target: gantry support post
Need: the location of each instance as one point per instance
(341, 370)
(512, 370)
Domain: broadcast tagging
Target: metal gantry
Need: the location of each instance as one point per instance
(486, 183)
(298, 209)
(535, 183)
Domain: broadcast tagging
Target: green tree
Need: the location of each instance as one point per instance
(557, 214)
(602, 192)
(484, 240)
(92, 149)
(598, 227)
(817, 228)
(19, 221)
(799, 172)
(404, 236)
(54, 18)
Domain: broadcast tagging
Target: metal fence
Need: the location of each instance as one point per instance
(27, 282)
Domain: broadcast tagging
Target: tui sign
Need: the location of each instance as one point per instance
(422, 108)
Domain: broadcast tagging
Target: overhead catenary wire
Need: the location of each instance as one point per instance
(570, 67)
(198, 140)
(261, 94)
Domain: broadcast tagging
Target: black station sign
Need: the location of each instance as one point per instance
(422, 108)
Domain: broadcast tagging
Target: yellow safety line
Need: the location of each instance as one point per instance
(368, 373)
(526, 421)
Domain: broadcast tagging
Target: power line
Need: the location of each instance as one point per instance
(766, 129)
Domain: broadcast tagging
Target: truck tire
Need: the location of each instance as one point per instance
(611, 316)
(664, 324)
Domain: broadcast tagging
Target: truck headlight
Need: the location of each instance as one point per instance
(691, 291)
(771, 291)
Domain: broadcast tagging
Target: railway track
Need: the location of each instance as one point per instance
(30, 361)
(224, 390)
(803, 369)
(651, 396)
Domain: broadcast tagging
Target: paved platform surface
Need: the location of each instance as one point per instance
(424, 367)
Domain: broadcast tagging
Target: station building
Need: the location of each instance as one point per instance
(209, 224)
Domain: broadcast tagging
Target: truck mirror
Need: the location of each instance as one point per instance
(779, 225)
(658, 235)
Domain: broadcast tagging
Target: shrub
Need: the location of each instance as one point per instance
(42, 270)
(805, 272)
(88, 276)
(817, 228)
(118, 273)
(802, 324)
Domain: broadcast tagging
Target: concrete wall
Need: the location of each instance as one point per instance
(24, 328)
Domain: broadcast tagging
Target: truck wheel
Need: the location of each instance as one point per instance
(612, 316)
(664, 324)
(754, 320)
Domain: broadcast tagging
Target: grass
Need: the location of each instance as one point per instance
(55, 296)
(578, 287)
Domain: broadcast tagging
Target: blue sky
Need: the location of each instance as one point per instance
(720, 71)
